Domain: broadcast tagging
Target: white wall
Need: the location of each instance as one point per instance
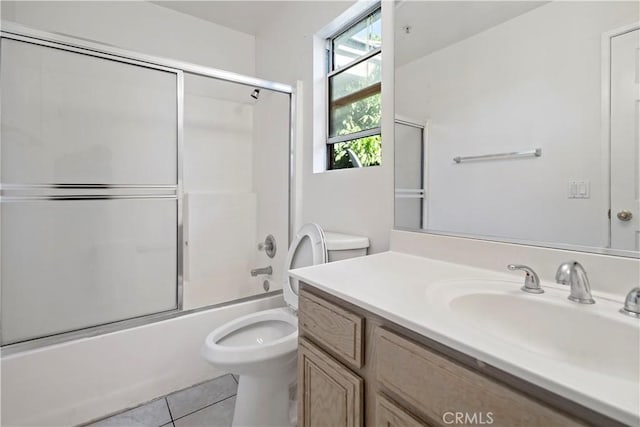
(533, 81)
(142, 27)
(358, 201)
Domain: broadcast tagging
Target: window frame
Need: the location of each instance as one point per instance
(331, 72)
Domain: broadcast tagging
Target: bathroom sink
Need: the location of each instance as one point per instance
(594, 337)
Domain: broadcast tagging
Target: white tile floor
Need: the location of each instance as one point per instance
(208, 404)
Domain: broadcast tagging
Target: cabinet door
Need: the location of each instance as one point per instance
(388, 414)
(329, 394)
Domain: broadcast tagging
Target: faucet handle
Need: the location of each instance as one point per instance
(632, 303)
(531, 280)
(269, 246)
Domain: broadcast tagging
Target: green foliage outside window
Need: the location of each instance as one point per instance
(360, 115)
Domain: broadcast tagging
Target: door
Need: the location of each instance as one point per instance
(89, 176)
(330, 394)
(409, 175)
(625, 147)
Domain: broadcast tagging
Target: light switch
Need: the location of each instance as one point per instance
(582, 189)
(572, 191)
(579, 189)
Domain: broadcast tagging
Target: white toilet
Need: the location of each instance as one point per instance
(261, 347)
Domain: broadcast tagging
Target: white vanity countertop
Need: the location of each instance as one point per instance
(394, 285)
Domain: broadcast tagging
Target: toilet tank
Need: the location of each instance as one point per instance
(342, 246)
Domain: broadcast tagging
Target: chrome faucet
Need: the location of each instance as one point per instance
(531, 280)
(572, 274)
(264, 270)
(632, 304)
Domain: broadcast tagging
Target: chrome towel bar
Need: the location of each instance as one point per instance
(513, 155)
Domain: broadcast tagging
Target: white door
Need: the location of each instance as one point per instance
(625, 147)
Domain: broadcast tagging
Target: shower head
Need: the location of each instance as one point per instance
(255, 94)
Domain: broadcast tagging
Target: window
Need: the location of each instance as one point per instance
(353, 81)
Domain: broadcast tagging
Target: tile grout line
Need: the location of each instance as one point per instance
(206, 406)
(121, 412)
(168, 408)
(166, 397)
(166, 400)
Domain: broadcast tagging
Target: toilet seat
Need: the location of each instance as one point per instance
(317, 255)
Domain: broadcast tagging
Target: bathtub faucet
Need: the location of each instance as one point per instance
(264, 270)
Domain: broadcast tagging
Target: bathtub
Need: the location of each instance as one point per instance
(79, 381)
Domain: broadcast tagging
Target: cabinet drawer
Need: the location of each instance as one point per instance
(336, 329)
(388, 414)
(442, 389)
(329, 394)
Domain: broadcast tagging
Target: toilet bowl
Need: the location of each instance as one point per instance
(254, 344)
(262, 347)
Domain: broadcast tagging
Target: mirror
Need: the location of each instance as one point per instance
(518, 122)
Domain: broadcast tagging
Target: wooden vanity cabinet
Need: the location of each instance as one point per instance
(443, 390)
(358, 369)
(390, 414)
(329, 393)
(332, 394)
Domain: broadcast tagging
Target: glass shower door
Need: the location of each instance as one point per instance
(90, 212)
(409, 159)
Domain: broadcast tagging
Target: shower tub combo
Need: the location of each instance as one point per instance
(120, 246)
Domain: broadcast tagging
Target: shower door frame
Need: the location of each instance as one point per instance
(17, 32)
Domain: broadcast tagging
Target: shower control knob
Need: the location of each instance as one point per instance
(269, 246)
(625, 215)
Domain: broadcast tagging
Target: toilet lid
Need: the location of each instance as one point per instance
(308, 248)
